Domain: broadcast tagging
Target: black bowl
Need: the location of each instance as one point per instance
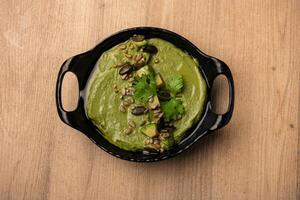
(82, 66)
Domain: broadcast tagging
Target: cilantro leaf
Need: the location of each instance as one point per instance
(172, 109)
(175, 84)
(145, 87)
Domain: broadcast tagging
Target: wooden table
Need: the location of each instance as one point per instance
(254, 157)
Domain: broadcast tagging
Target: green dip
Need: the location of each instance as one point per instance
(106, 85)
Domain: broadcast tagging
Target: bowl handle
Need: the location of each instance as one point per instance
(65, 116)
(220, 120)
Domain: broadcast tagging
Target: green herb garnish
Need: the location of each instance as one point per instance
(172, 109)
(145, 87)
(175, 84)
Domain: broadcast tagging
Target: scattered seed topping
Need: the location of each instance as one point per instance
(127, 131)
(156, 141)
(163, 95)
(130, 100)
(125, 103)
(123, 91)
(138, 38)
(124, 77)
(150, 49)
(122, 108)
(151, 99)
(125, 69)
(138, 57)
(131, 124)
(138, 110)
(123, 46)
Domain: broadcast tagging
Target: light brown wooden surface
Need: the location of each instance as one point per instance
(254, 157)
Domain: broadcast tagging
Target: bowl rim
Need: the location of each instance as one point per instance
(209, 67)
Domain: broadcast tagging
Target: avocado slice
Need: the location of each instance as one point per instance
(150, 130)
(143, 71)
(155, 103)
(159, 81)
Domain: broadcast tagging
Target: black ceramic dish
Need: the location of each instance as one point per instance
(82, 66)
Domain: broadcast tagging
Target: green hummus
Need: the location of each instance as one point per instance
(108, 91)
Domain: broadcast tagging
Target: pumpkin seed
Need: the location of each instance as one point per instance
(123, 46)
(126, 69)
(156, 141)
(138, 57)
(138, 38)
(123, 91)
(160, 115)
(124, 77)
(130, 100)
(128, 56)
(131, 124)
(163, 95)
(151, 99)
(125, 103)
(138, 110)
(122, 108)
(150, 49)
(127, 131)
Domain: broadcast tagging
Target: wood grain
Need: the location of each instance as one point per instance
(254, 157)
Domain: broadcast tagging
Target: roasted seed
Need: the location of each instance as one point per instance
(163, 95)
(156, 146)
(125, 103)
(163, 136)
(138, 38)
(156, 141)
(140, 63)
(130, 100)
(156, 60)
(131, 124)
(138, 57)
(122, 46)
(124, 77)
(123, 91)
(122, 108)
(150, 49)
(164, 130)
(128, 56)
(124, 60)
(131, 80)
(115, 86)
(151, 141)
(146, 110)
(126, 69)
(156, 111)
(160, 115)
(150, 99)
(138, 110)
(127, 131)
